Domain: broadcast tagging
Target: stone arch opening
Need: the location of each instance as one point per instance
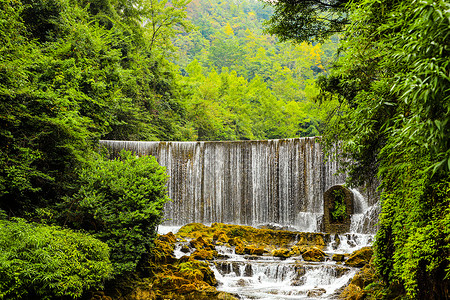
(337, 208)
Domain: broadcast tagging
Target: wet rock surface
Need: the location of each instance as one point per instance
(262, 263)
(224, 261)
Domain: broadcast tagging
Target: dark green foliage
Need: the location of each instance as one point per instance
(307, 20)
(339, 212)
(120, 202)
(42, 262)
(71, 73)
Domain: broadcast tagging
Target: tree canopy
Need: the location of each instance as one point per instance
(307, 20)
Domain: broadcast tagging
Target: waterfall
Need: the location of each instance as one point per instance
(243, 182)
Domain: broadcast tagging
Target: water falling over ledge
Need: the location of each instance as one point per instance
(242, 182)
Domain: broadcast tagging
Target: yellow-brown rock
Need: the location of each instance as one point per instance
(203, 254)
(239, 250)
(254, 250)
(169, 282)
(365, 276)
(162, 252)
(314, 254)
(220, 237)
(338, 257)
(283, 253)
(360, 257)
(192, 267)
(169, 237)
(201, 243)
(352, 292)
(249, 235)
(187, 288)
(297, 250)
(312, 239)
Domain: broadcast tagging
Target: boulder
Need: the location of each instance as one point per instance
(315, 293)
(360, 257)
(203, 254)
(314, 254)
(352, 292)
(338, 257)
(169, 237)
(185, 249)
(297, 251)
(200, 243)
(253, 250)
(220, 237)
(283, 253)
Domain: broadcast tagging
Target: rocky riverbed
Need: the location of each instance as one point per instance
(224, 261)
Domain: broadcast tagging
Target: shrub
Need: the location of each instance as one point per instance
(339, 212)
(121, 203)
(47, 261)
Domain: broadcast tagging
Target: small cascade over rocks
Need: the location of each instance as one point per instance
(283, 268)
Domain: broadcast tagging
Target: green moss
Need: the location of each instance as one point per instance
(339, 212)
(360, 257)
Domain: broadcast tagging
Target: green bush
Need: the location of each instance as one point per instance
(42, 261)
(121, 203)
(339, 212)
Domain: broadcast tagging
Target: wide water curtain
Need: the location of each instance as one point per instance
(243, 182)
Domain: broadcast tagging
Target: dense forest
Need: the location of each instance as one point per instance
(373, 75)
(240, 83)
(392, 81)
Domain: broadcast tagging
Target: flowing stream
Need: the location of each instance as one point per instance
(278, 182)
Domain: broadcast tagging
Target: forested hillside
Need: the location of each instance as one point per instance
(242, 83)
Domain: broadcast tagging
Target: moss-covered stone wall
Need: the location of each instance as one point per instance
(337, 209)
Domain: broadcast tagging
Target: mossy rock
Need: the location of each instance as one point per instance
(283, 253)
(297, 250)
(352, 292)
(169, 237)
(314, 254)
(338, 257)
(187, 288)
(365, 276)
(360, 257)
(185, 249)
(220, 237)
(313, 239)
(235, 242)
(239, 250)
(203, 254)
(192, 230)
(252, 250)
(201, 243)
(248, 235)
(165, 282)
(188, 271)
(191, 269)
(163, 251)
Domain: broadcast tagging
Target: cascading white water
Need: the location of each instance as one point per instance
(365, 217)
(268, 277)
(243, 182)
